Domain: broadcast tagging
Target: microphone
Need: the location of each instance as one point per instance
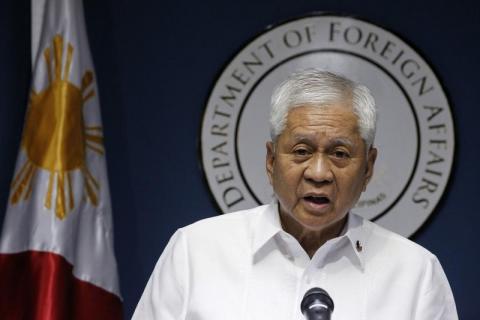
(317, 305)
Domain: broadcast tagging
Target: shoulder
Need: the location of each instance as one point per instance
(401, 262)
(225, 229)
(237, 219)
(397, 264)
(387, 247)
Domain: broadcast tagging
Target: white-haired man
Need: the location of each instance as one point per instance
(258, 263)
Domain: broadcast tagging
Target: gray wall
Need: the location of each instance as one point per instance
(155, 63)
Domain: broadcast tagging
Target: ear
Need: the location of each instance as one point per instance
(371, 157)
(270, 160)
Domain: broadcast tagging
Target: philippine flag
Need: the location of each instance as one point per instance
(56, 248)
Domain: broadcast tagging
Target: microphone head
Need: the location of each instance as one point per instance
(317, 304)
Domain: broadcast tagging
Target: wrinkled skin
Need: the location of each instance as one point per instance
(318, 167)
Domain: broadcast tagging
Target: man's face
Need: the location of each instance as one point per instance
(319, 166)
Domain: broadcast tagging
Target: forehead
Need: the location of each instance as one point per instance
(335, 119)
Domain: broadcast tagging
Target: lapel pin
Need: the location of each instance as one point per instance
(358, 246)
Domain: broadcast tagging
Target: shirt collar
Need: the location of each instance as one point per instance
(356, 232)
(268, 225)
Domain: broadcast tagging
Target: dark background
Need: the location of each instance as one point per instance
(155, 63)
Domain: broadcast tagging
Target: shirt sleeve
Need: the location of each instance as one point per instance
(436, 300)
(165, 296)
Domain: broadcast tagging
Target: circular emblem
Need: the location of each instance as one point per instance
(415, 131)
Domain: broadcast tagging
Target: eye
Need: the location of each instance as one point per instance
(341, 154)
(301, 152)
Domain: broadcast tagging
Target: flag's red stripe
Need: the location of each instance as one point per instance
(40, 285)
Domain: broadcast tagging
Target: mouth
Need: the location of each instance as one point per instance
(317, 199)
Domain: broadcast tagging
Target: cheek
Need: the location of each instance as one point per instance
(280, 181)
(351, 185)
(287, 179)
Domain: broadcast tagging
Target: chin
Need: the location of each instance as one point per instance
(320, 221)
(315, 223)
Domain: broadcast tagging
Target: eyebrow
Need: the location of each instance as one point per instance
(339, 141)
(343, 141)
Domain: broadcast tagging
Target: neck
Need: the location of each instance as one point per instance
(311, 239)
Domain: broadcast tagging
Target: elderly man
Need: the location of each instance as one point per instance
(258, 263)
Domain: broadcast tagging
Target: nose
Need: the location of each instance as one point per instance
(318, 169)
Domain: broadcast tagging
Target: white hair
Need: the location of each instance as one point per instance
(313, 87)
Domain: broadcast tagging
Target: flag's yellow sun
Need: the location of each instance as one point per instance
(55, 137)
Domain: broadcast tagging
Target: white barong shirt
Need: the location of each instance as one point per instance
(244, 266)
